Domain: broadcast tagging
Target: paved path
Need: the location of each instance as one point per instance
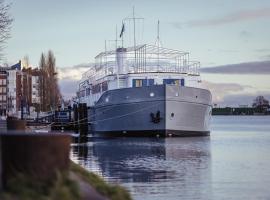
(86, 190)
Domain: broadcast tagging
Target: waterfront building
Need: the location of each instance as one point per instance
(3, 92)
(19, 89)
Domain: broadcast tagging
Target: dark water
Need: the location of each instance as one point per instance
(234, 163)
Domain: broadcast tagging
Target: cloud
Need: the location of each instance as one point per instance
(260, 67)
(240, 16)
(262, 50)
(220, 90)
(232, 94)
(74, 72)
(245, 34)
(68, 87)
(69, 79)
(242, 99)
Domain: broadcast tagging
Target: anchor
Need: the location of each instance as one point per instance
(155, 118)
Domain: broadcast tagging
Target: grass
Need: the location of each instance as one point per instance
(25, 188)
(113, 192)
(62, 187)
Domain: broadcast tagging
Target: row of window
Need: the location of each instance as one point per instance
(3, 97)
(135, 83)
(101, 87)
(3, 81)
(3, 89)
(149, 82)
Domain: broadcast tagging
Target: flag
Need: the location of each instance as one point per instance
(122, 30)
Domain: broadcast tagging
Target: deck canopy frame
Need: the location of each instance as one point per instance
(143, 59)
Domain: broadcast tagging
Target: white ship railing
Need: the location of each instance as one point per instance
(142, 59)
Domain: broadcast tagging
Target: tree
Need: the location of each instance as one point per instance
(49, 91)
(42, 80)
(260, 104)
(5, 24)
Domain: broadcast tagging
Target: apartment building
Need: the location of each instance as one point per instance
(19, 89)
(3, 92)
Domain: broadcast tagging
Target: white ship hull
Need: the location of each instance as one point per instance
(163, 110)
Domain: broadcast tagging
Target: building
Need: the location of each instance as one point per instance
(19, 90)
(3, 92)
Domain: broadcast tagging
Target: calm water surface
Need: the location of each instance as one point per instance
(233, 163)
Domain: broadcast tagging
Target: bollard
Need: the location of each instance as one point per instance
(16, 124)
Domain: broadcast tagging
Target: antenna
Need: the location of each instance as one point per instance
(134, 27)
(134, 33)
(133, 18)
(157, 43)
(116, 37)
(106, 57)
(158, 31)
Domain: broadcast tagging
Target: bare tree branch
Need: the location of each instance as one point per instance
(5, 24)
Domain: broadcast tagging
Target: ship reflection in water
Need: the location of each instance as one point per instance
(151, 168)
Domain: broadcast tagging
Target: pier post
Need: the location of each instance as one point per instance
(83, 122)
(14, 124)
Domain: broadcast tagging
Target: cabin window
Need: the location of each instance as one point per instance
(174, 82)
(104, 86)
(150, 82)
(96, 89)
(87, 91)
(142, 82)
(182, 82)
(171, 81)
(82, 93)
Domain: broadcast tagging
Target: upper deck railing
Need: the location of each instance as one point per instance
(141, 59)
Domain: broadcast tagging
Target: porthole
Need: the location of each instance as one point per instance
(172, 114)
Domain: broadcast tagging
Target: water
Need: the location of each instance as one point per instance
(234, 163)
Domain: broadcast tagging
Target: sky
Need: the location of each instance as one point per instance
(230, 38)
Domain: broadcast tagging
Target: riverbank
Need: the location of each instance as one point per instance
(75, 184)
(239, 111)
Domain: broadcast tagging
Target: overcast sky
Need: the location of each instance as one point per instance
(216, 32)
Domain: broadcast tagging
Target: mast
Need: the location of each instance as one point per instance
(117, 75)
(106, 56)
(134, 34)
(116, 37)
(158, 42)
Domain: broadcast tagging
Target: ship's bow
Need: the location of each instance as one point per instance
(188, 111)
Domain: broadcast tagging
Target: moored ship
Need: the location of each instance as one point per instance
(145, 90)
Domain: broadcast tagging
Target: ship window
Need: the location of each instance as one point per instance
(174, 82)
(137, 83)
(96, 89)
(142, 82)
(182, 82)
(104, 86)
(151, 82)
(171, 81)
(87, 91)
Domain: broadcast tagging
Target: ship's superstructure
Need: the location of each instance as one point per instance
(144, 65)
